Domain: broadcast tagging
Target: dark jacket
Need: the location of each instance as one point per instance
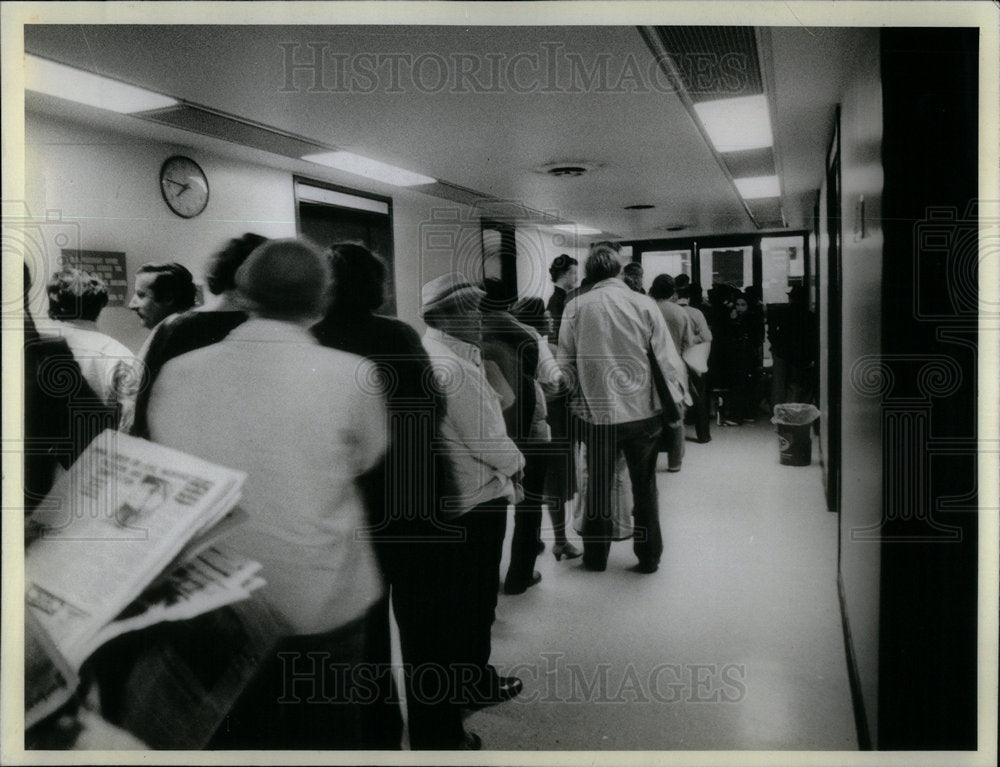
(515, 351)
(555, 307)
(415, 406)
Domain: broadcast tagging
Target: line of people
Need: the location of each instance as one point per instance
(380, 466)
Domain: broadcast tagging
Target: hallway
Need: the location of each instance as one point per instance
(734, 644)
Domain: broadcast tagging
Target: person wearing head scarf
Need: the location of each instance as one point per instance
(487, 467)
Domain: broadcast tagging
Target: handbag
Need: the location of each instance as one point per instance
(696, 357)
(671, 412)
(621, 496)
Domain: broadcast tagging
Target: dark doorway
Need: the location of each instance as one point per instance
(327, 215)
(500, 256)
(834, 341)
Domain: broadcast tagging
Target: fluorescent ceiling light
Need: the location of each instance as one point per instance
(61, 81)
(737, 124)
(363, 166)
(576, 229)
(757, 187)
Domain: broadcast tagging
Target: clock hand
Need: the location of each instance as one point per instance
(176, 183)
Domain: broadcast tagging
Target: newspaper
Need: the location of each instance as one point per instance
(49, 682)
(111, 526)
(211, 580)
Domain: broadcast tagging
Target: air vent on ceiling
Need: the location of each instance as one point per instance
(209, 122)
(674, 227)
(639, 207)
(566, 169)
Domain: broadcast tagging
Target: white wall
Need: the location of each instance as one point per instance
(861, 417)
(104, 185)
(537, 248)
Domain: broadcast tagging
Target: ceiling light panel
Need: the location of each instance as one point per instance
(580, 230)
(737, 124)
(61, 81)
(758, 187)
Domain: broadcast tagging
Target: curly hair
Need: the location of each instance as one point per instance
(76, 295)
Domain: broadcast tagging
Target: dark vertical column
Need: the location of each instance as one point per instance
(928, 601)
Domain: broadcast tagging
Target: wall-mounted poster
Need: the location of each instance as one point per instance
(108, 265)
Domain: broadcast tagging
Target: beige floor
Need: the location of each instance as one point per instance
(735, 643)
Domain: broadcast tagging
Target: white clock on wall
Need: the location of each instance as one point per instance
(184, 186)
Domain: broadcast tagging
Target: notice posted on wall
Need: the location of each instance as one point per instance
(106, 264)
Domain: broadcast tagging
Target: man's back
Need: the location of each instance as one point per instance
(678, 323)
(606, 335)
(303, 422)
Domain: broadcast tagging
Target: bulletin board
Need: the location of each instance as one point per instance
(106, 264)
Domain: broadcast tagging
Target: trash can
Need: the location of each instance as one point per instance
(794, 422)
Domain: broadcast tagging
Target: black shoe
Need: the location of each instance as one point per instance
(497, 689)
(646, 567)
(471, 742)
(519, 588)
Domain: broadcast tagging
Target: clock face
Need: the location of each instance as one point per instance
(184, 186)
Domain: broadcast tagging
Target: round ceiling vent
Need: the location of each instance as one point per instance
(674, 227)
(642, 206)
(566, 169)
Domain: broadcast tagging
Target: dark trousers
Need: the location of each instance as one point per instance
(474, 589)
(700, 409)
(742, 402)
(673, 439)
(381, 719)
(420, 566)
(528, 520)
(638, 440)
(307, 694)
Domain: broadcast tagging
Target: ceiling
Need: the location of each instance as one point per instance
(524, 103)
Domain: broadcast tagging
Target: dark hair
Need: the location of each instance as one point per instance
(220, 271)
(561, 265)
(662, 287)
(172, 284)
(798, 294)
(359, 278)
(632, 275)
(531, 311)
(681, 281)
(497, 298)
(76, 295)
(285, 279)
(603, 262)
